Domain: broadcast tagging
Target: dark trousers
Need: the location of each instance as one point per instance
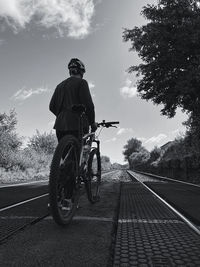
(61, 134)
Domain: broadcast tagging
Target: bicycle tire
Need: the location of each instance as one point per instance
(92, 183)
(57, 184)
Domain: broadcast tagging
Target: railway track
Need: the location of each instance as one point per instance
(153, 229)
(145, 230)
(181, 197)
(23, 205)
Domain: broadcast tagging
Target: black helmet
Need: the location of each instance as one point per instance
(76, 64)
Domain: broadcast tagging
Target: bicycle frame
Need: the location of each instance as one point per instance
(91, 139)
(83, 140)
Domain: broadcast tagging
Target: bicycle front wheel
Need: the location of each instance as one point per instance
(64, 182)
(94, 176)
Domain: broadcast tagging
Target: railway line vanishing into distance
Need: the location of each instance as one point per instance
(42, 187)
(25, 205)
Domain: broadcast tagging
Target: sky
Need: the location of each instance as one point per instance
(37, 40)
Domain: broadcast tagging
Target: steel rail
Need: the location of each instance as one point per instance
(188, 222)
(166, 178)
(35, 198)
(23, 202)
(2, 186)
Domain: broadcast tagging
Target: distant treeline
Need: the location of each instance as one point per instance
(178, 159)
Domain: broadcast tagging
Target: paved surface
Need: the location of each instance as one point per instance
(12, 194)
(18, 217)
(128, 227)
(184, 197)
(150, 234)
(87, 241)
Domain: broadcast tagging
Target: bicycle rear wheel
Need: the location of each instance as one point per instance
(94, 176)
(64, 182)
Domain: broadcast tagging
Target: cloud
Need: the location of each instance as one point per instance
(156, 139)
(128, 91)
(1, 41)
(142, 139)
(111, 140)
(23, 93)
(66, 16)
(124, 131)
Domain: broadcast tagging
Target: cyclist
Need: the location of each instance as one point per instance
(72, 91)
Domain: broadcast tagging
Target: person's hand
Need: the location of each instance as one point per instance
(94, 126)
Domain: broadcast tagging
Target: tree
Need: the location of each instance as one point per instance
(105, 158)
(105, 163)
(140, 158)
(45, 142)
(169, 48)
(155, 154)
(133, 145)
(8, 122)
(10, 142)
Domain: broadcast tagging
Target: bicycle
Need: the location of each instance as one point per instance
(75, 162)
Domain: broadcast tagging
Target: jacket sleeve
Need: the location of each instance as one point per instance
(86, 99)
(54, 103)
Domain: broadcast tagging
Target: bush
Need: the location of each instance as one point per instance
(155, 154)
(105, 163)
(140, 158)
(45, 142)
(10, 142)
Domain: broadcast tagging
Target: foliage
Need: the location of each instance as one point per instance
(135, 153)
(8, 122)
(105, 163)
(133, 145)
(105, 158)
(180, 148)
(155, 154)
(169, 48)
(139, 158)
(10, 142)
(45, 142)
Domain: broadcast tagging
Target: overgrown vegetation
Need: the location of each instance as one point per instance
(18, 163)
(179, 159)
(32, 162)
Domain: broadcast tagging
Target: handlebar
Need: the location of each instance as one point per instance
(108, 123)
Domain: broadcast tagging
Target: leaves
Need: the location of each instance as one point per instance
(45, 142)
(133, 145)
(169, 48)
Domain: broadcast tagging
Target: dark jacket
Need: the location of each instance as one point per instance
(70, 92)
